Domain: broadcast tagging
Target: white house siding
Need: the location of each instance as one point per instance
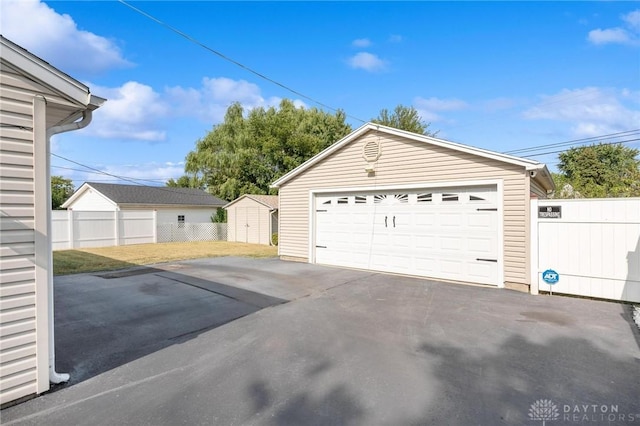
(191, 214)
(256, 215)
(408, 162)
(23, 259)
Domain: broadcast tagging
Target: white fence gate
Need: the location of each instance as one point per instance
(82, 229)
(593, 244)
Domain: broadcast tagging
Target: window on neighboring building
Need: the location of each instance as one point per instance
(180, 220)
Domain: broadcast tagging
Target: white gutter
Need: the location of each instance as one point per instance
(55, 377)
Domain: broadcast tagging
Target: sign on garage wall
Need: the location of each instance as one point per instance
(594, 244)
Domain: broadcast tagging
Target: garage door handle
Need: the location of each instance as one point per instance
(487, 210)
(487, 260)
(321, 246)
(385, 221)
(394, 221)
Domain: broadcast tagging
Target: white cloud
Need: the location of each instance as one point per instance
(210, 101)
(610, 35)
(132, 111)
(619, 35)
(361, 42)
(590, 111)
(632, 19)
(57, 39)
(367, 61)
(135, 111)
(430, 108)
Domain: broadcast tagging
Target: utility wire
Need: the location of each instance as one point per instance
(132, 180)
(563, 150)
(233, 61)
(100, 173)
(589, 139)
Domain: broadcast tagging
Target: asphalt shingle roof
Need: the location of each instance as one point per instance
(156, 195)
(268, 200)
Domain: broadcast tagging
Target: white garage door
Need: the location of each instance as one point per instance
(446, 233)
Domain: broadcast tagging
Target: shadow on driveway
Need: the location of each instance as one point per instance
(104, 320)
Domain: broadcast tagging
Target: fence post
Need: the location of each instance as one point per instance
(533, 248)
(70, 229)
(116, 216)
(155, 226)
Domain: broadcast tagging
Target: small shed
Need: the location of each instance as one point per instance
(252, 218)
(172, 205)
(38, 101)
(389, 200)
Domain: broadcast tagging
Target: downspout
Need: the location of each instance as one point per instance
(271, 226)
(55, 377)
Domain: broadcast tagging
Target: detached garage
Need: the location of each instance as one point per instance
(393, 201)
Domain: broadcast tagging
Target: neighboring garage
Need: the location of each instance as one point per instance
(394, 201)
(252, 218)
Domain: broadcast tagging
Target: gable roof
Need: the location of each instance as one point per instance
(270, 201)
(149, 195)
(529, 165)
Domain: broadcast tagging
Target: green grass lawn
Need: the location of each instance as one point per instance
(111, 258)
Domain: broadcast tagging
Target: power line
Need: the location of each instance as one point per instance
(563, 150)
(589, 139)
(233, 61)
(101, 173)
(132, 180)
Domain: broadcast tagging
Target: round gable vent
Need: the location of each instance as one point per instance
(371, 150)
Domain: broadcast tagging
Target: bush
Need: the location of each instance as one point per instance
(274, 238)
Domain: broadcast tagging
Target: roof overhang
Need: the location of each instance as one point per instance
(44, 72)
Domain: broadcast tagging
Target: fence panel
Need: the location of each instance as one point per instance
(170, 232)
(94, 229)
(73, 229)
(593, 244)
(136, 227)
(60, 229)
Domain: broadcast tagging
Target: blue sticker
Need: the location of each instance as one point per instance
(550, 276)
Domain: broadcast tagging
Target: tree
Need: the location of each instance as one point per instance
(404, 118)
(245, 154)
(186, 181)
(598, 171)
(61, 190)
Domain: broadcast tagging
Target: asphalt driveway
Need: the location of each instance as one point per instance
(232, 341)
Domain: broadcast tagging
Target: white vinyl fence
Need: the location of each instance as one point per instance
(74, 229)
(593, 245)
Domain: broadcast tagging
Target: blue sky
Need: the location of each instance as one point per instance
(496, 75)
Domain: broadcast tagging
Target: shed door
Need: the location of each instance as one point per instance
(444, 233)
(248, 225)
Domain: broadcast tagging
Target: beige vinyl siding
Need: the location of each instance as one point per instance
(258, 217)
(537, 189)
(406, 162)
(18, 349)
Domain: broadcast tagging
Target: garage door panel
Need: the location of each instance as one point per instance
(450, 244)
(432, 233)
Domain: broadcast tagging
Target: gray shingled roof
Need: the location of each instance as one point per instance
(156, 195)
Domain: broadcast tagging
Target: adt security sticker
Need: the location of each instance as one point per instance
(550, 276)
